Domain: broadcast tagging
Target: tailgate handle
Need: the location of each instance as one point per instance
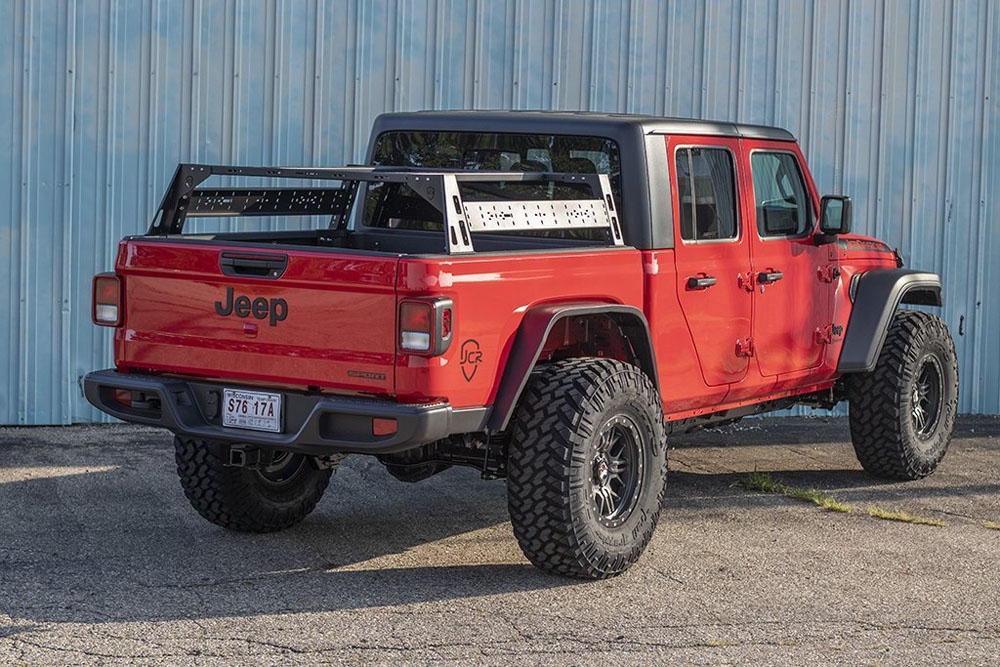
(248, 264)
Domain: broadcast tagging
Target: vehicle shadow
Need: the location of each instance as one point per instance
(753, 432)
(815, 431)
(123, 544)
(684, 483)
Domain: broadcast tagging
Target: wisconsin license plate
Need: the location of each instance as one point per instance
(251, 409)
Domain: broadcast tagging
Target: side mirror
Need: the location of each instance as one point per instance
(835, 215)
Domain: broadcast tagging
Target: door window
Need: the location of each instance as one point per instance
(780, 195)
(706, 187)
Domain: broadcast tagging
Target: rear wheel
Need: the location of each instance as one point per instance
(587, 460)
(902, 413)
(258, 501)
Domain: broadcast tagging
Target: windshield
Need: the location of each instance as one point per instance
(396, 206)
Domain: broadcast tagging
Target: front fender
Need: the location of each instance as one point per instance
(879, 293)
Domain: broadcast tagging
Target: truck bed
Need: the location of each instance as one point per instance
(338, 329)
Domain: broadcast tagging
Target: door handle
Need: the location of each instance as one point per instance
(701, 282)
(768, 277)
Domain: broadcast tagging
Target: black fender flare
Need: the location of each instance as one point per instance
(878, 294)
(530, 339)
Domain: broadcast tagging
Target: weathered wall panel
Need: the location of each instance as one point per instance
(894, 102)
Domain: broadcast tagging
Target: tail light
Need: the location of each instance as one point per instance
(425, 326)
(107, 302)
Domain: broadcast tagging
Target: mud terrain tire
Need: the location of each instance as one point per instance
(246, 500)
(902, 413)
(587, 460)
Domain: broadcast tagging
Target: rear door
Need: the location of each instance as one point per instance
(793, 274)
(712, 254)
(290, 317)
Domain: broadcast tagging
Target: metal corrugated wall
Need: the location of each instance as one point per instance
(895, 104)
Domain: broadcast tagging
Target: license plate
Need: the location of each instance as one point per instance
(251, 409)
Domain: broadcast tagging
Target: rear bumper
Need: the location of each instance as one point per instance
(312, 423)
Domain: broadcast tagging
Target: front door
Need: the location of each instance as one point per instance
(793, 276)
(712, 254)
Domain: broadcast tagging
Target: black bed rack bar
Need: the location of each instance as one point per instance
(185, 199)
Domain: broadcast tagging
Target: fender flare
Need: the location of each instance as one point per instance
(879, 293)
(532, 334)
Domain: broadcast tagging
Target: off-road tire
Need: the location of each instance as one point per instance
(551, 480)
(883, 427)
(244, 499)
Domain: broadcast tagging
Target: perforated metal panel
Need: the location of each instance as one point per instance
(560, 214)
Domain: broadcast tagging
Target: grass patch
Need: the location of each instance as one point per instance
(991, 525)
(903, 516)
(765, 484)
(824, 500)
(756, 481)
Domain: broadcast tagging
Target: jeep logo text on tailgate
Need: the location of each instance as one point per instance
(273, 310)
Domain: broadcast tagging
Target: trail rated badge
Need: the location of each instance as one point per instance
(472, 356)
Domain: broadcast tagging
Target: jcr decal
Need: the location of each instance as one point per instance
(471, 357)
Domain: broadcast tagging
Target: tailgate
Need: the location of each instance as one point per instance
(312, 318)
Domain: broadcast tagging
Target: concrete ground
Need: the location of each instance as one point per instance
(103, 561)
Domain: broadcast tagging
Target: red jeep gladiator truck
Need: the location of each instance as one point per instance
(542, 296)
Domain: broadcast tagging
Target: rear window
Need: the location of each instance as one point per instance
(397, 206)
(706, 187)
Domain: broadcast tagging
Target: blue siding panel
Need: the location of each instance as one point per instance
(895, 103)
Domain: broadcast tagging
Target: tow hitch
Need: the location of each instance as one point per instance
(255, 458)
(246, 456)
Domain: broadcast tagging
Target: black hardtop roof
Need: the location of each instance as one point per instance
(645, 206)
(571, 122)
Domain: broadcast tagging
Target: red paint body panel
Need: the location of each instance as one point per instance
(853, 254)
(786, 356)
(719, 317)
(341, 317)
(491, 293)
(682, 383)
(788, 313)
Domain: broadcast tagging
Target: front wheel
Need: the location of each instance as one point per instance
(587, 461)
(902, 413)
(243, 499)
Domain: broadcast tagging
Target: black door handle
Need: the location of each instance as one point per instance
(695, 282)
(767, 277)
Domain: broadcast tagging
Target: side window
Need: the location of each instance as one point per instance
(780, 195)
(706, 187)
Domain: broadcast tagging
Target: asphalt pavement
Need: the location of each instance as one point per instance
(102, 561)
